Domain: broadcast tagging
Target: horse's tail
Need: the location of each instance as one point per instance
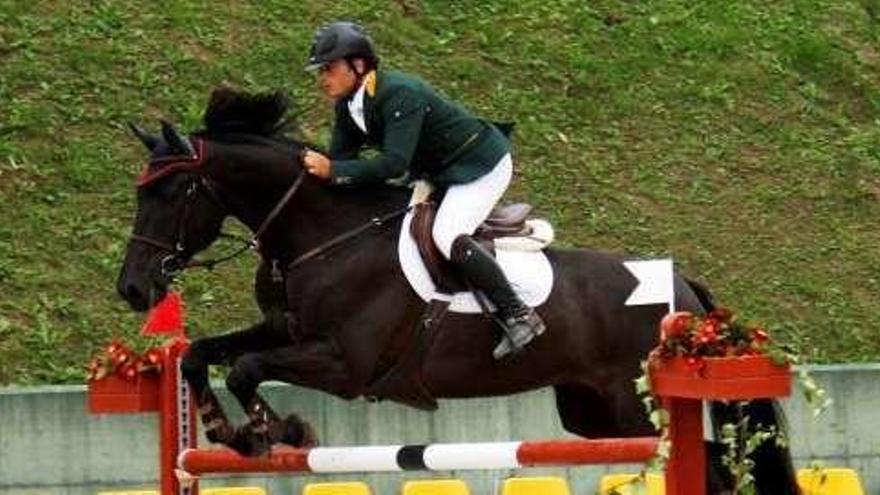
(773, 472)
(707, 300)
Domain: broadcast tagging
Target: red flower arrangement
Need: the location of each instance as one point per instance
(717, 334)
(120, 360)
(165, 318)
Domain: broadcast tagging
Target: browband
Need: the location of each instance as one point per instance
(167, 165)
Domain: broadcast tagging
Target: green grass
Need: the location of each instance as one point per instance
(741, 138)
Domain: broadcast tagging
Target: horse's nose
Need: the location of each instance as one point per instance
(131, 293)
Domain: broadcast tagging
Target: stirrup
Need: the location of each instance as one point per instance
(518, 332)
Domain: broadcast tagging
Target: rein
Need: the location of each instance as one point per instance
(254, 242)
(170, 265)
(348, 235)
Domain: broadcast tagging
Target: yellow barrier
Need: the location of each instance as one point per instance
(341, 488)
(435, 487)
(543, 485)
(622, 484)
(232, 490)
(829, 481)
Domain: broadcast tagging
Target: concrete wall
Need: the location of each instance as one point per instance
(50, 445)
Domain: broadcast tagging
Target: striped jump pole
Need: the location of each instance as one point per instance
(432, 457)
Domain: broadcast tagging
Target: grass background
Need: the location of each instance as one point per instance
(741, 138)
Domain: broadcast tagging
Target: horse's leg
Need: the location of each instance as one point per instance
(264, 426)
(773, 470)
(225, 349)
(315, 364)
(608, 408)
(582, 411)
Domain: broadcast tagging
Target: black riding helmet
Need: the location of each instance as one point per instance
(340, 40)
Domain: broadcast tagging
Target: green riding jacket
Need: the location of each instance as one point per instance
(417, 132)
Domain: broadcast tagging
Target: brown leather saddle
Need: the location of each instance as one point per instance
(504, 221)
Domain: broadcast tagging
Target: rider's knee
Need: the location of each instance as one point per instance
(460, 246)
(445, 238)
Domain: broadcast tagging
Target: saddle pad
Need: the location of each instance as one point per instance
(529, 273)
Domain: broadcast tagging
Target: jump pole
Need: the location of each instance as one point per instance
(432, 457)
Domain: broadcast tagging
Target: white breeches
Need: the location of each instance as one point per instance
(465, 206)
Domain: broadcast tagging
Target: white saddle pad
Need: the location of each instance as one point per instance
(529, 273)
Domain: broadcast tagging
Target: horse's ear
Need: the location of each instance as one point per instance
(149, 140)
(177, 142)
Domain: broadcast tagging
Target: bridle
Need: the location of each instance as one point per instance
(176, 259)
(176, 255)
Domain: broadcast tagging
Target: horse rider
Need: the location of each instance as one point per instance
(419, 134)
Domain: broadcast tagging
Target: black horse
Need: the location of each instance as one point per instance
(343, 319)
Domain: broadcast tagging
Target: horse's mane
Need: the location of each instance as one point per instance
(232, 111)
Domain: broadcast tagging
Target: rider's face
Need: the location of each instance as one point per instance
(336, 79)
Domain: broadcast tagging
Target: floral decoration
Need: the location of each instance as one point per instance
(717, 334)
(120, 360)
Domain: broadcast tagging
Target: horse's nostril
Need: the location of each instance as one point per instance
(130, 293)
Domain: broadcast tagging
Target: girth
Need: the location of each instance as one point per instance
(400, 375)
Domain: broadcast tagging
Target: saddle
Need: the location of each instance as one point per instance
(399, 374)
(504, 222)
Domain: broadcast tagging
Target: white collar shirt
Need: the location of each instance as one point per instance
(356, 108)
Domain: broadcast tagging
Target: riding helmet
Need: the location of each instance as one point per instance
(339, 40)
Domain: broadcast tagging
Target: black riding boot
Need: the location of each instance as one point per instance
(521, 323)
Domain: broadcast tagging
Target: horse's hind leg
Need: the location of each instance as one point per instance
(611, 409)
(583, 412)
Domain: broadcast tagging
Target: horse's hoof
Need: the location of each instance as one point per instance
(249, 444)
(220, 433)
(310, 438)
(298, 433)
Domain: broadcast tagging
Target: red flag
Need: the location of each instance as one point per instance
(166, 317)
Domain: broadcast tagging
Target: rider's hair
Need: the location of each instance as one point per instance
(370, 64)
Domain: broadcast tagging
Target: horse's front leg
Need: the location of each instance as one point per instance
(225, 350)
(316, 364)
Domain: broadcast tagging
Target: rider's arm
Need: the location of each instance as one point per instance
(403, 114)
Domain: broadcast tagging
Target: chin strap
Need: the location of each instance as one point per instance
(367, 78)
